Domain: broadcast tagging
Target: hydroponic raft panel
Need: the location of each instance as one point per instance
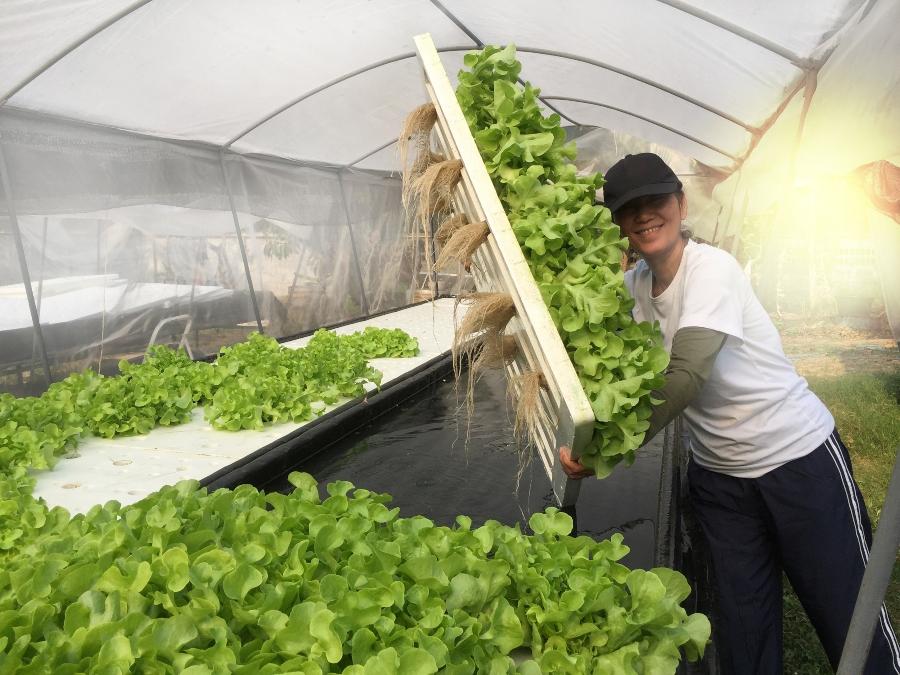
(499, 266)
(128, 468)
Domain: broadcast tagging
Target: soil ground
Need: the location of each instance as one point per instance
(831, 349)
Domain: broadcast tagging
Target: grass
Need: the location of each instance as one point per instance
(865, 409)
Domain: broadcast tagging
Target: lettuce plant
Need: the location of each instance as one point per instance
(573, 250)
(249, 385)
(238, 581)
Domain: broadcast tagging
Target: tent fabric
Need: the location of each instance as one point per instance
(152, 226)
(346, 120)
(853, 118)
(36, 31)
(802, 27)
(766, 174)
(592, 115)
(242, 60)
(605, 88)
(803, 175)
(62, 167)
(210, 70)
(648, 38)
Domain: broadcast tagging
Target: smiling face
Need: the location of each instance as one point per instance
(653, 224)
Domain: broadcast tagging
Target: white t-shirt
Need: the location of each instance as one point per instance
(755, 412)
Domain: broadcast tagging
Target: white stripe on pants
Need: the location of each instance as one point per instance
(834, 450)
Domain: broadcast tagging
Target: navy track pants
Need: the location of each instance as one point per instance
(806, 517)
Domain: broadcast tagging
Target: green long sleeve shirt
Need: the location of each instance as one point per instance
(694, 352)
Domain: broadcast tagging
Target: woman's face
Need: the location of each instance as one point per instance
(653, 223)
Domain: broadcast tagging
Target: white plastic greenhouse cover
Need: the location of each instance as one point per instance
(210, 70)
(223, 166)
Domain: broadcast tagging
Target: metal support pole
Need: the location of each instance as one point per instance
(240, 240)
(23, 264)
(41, 267)
(359, 276)
(666, 503)
(99, 235)
(874, 583)
(40, 288)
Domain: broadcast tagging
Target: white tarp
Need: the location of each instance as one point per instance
(853, 118)
(855, 113)
(209, 70)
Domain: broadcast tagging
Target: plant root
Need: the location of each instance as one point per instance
(431, 158)
(420, 164)
(417, 129)
(433, 190)
(496, 351)
(485, 319)
(448, 227)
(526, 388)
(483, 323)
(493, 351)
(416, 135)
(463, 244)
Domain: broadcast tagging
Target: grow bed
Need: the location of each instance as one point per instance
(128, 468)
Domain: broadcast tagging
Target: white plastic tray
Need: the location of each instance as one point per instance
(129, 468)
(500, 266)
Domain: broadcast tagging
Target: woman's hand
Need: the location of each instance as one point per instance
(573, 468)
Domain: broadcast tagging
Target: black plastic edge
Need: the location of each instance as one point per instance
(273, 461)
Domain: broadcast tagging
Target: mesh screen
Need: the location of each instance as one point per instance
(298, 244)
(21, 363)
(130, 240)
(383, 240)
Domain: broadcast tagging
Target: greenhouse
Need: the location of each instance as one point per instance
(303, 305)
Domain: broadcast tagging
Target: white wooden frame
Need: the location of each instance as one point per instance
(498, 265)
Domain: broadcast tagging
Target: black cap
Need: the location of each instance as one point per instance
(638, 176)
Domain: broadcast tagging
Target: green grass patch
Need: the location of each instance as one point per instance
(865, 409)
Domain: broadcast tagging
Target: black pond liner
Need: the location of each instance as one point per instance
(418, 453)
(409, 440)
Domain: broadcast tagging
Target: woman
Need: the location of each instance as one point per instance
(770, 479)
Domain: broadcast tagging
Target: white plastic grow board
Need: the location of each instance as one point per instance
(128, 468)
(498, 265)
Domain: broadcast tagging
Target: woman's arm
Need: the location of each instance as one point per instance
(694, 352)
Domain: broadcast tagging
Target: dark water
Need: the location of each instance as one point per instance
(418, 454)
